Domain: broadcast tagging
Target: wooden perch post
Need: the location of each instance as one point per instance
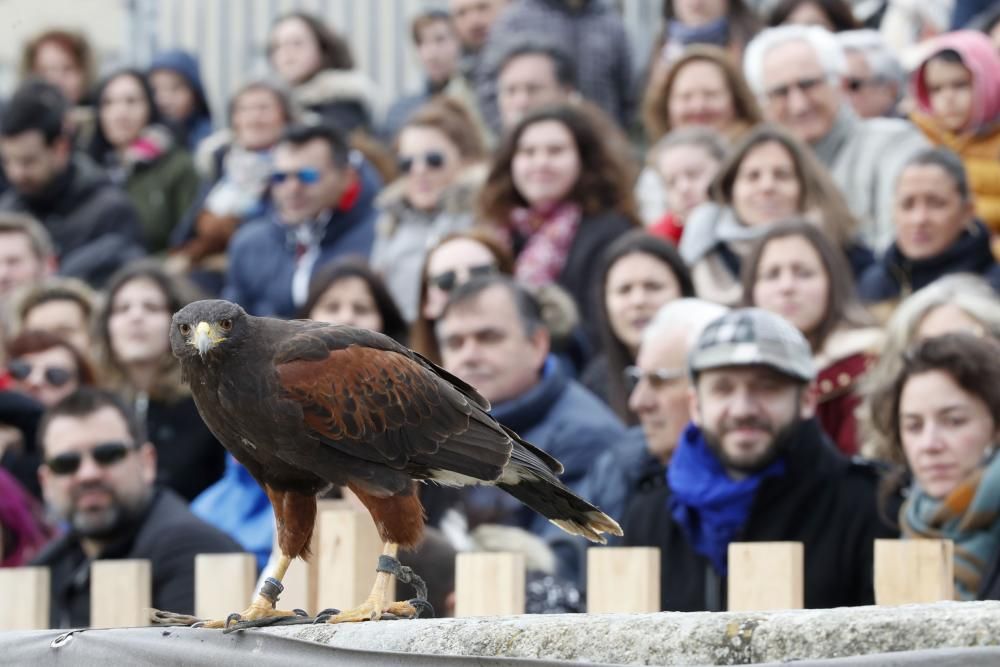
(121, 593)
(914, 571)
(223, 583)
(349, 547)
(623, 580)
(489, 584)
(765, 575)
(26, 598)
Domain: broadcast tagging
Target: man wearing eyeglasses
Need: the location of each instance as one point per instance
(799, 73)
(324, 210)
(98, 475)
(754, 466)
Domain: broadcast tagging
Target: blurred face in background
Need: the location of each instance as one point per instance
(945, 431)
(47, 376)
(700, 95)
(527, 82)
(258, 119)
(429, 162)
(139, 323)
(686, 171)
(949, 87)
(929, 212)
(808, 13)
(439, 51)
(660, 393)
(638, 284)
(173, 94)
(791, 281)
(19, 265)
(798, 94)
(294, 51)
(305, 180)
(63, 317)
(55, 64)
(124, 111)
(694, 13)
(450, 265)
(870, 96)
(30, 163)
(546, 164)
(348, 301)
(766, 189)
(473, 19)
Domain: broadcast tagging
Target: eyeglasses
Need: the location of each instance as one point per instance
(307, 176)
(56, 376)
(448, 280)
(657, 378)
(854, 85)
(780, 93)
(104, 455)
(433, 160)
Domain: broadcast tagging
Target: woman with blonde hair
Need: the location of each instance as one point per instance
(955, 303)
(768, 178)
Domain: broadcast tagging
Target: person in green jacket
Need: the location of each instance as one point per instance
(142, 155)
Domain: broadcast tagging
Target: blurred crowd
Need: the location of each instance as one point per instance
(743, 286)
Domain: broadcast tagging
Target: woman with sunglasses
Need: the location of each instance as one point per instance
(47, 367)
(440, 155)
(452, 261)
(639, 273)
(132, 330)
(559, 195)
(796, 272)
(134, 144)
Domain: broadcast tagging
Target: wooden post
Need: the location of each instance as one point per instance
(223, 583)
(489, 584)
(765, 575)
(623, 580)
(914, 571)
(121, 593)
(349, 547)
(26, 598)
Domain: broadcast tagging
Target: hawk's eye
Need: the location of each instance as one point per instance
(185, 329)
(226, 324)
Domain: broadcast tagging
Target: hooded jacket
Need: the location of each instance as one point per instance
(264, 257)
(894, 276)
(198, 125)
(93, 224)
(978, 143)
(823, 500)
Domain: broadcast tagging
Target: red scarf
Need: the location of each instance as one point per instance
(548, 238)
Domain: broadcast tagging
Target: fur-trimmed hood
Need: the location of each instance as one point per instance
(337, 85)
(844, 343)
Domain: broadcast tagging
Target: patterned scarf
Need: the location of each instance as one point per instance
(548, 236)
(710, 506)
(968, 517)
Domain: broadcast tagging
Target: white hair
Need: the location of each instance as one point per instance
(822, 41)
(872, 45)
(689, 316)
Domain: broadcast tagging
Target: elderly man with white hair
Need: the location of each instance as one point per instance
(875, 80)
(660, 398)
(799, 74)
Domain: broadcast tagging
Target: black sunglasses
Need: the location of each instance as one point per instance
(448, 280)
(433, 160)
(657, 378)
(56, 376)
(104, 455)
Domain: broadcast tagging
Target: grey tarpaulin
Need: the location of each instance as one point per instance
(183, 647)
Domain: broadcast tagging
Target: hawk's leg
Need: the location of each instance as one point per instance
(261, 611)
(376, 607)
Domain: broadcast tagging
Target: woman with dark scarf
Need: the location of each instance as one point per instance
(943, 409)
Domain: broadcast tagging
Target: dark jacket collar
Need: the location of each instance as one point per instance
(531, 408)
(970, 253)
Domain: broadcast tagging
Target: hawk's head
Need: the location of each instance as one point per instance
(201, 328)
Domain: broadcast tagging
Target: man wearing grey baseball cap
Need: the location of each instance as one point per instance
(754, 466)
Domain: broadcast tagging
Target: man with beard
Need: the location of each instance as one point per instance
(754, 466)
(98, 475)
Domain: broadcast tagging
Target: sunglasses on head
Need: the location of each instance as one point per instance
(433, 160)
(307, 176)
(448, 280)
(657, 378)
(104, 455)
(56, 376)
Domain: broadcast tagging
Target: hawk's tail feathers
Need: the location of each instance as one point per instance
(551, 499)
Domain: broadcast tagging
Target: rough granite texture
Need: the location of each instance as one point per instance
(676, 638)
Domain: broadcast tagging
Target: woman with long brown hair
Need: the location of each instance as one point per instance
(559, 195)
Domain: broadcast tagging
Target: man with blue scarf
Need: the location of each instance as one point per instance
(754, 466)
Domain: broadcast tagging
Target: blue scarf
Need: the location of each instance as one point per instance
(714, 32)
(708, 505)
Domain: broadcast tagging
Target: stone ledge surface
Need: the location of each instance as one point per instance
(735, 638)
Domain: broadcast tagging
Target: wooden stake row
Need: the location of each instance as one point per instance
(762, 576)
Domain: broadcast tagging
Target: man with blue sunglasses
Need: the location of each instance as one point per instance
(323, 209)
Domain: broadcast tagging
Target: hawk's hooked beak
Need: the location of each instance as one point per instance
(205, 338)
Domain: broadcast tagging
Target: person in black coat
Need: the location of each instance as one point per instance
(99, 476)
(937, 233)
(559, 192)
(754, 466)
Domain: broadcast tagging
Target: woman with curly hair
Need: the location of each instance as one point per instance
(558, 195)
